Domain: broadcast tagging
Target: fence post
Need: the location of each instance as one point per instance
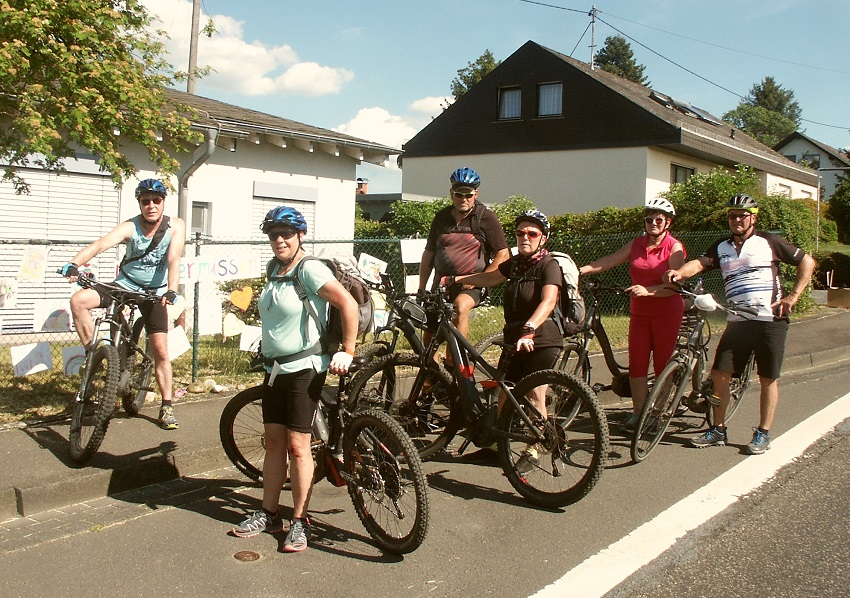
(196, 317)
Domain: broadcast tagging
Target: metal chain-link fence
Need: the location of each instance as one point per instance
(39, 352)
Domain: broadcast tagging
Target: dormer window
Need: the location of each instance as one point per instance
(550, 99)
(510, 103)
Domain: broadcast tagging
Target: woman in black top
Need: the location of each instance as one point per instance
(534, 281)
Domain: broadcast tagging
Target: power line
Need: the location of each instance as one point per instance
(693, 39)
(584, 12)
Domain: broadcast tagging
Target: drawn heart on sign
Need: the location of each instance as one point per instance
(242, 297)
(231, 325)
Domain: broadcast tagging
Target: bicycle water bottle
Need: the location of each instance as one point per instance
(320, 425)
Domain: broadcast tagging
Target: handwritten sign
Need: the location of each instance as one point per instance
(178, 343)
(31, 359)
(250, 339)
(218, 269)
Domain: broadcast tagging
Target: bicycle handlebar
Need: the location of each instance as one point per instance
(116, 291)
(706, 302)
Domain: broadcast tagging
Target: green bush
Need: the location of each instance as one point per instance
(839, 210)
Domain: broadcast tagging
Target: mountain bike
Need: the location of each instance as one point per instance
(687, 368)
(116, 365)
(552, 460)
(575, 356)
(368, 452)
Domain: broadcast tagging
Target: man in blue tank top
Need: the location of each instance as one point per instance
(157, 270)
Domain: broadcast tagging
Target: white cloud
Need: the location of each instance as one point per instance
(255, 68)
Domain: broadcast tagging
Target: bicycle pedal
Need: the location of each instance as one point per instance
(597, 388)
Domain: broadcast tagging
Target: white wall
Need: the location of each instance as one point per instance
(829, 179)
(658, 166)
(775, 184)
(557, 182)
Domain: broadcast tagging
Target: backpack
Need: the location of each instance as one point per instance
(570, 309)
(349, 277)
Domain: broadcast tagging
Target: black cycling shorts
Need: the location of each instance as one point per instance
(154, 313)
(740, 339)
(524, 363)
(293, 400)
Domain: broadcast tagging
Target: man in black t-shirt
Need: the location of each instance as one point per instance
(465, 238)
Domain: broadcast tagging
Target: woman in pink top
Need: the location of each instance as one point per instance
(656, 310)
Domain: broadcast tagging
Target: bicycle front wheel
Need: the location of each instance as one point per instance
(241, 431)
(568, 463)
(490, 348)
(93, 407)
(388, 487)
(568, 361)
(737, 387)
(658, 410)
(419, 396)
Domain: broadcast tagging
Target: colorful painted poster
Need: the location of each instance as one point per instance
(72, 359)
(33, 264)
(31, 359)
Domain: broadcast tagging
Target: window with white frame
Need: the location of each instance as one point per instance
(550, 99)
(200, 218)
(510, 103)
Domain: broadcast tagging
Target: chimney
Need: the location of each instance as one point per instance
(362, 186)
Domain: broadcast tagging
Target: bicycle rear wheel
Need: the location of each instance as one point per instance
(737, 387)
(420, 397)
(568, 361)
(490, 348)
(93, 407)
(242, 434)
(388, 488)
(569, 462)
(659, 409)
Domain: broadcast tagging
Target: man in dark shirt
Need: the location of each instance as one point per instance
(749, 262)
(465, 238)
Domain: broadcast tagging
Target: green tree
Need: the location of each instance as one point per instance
(473, 73)
(73, 74)
(769, 113)
(839, 210)
(616, 57)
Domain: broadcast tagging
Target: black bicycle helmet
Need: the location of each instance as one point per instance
(742, 201)
(151, 186)
(284, 216)
(465, 177)
(537, 217)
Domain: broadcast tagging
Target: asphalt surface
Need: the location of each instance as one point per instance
(36, 474)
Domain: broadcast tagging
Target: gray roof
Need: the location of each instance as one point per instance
(244, 123)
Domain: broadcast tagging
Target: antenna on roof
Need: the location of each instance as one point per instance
(592, 15)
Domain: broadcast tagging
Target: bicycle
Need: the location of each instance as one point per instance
(575, 356)
(551, 460)
(115, 366)
(368, 452)
(687, 364)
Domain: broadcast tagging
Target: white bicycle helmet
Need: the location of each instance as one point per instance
(658, 204)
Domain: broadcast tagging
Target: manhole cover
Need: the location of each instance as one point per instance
(246, 555)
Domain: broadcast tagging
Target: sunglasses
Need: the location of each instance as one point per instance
(286, 234)
(656, 220)
(531, 234)
(738, 215)
(461, 194)
(151, 200)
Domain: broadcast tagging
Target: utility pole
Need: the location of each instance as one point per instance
(592, 15)
(193, 46)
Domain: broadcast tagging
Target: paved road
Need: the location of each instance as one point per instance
(485, 541)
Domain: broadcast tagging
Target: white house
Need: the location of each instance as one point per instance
(831, 164)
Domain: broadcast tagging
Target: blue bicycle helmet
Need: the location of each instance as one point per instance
(465, 177)
(151, 186)
(537, 217)
(284, 216)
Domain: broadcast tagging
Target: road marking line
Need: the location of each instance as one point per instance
(603, 571)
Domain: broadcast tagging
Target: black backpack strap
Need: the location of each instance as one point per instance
(308, 305)
(475, 226)
(155, 241)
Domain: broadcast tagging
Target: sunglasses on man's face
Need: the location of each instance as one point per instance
(151, 200)
(285, 233)
(656, 220)
(463, 194)
(738, 215)
(531, 234)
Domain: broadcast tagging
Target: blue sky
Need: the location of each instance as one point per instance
(379, 69)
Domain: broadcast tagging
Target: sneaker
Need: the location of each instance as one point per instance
(260, 521)
(631, 423)
(167, 421)
(299, 534)
(714, 437)
(759, 443)
(529, 458)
